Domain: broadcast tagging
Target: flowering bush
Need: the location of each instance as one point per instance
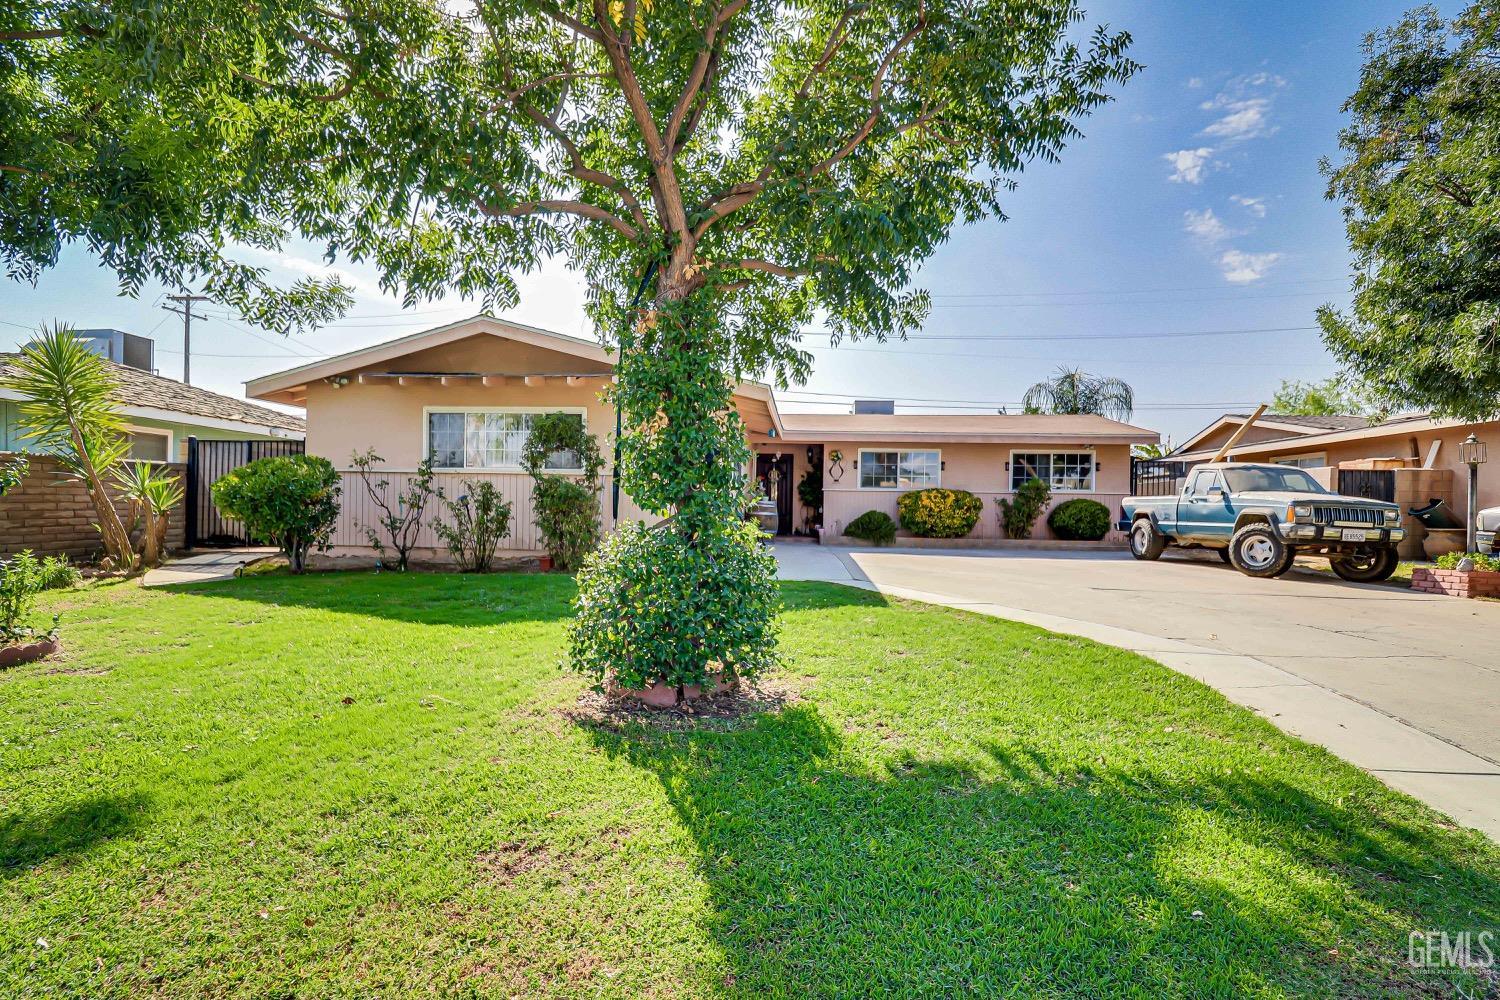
(1080, 519)
(939, 513)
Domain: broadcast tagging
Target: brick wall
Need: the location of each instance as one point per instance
(1455, 583)
(49, 512)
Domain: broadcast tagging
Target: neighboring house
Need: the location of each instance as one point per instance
(465, 393)
(161, 413)
(1409, 442)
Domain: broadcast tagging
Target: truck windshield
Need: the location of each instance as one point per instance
(1261, 479)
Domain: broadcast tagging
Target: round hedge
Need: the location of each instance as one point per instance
(872, 526)
(939, 513)
(1079, 520)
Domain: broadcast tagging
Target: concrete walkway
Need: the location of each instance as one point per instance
(219, 564)
(1417, 721)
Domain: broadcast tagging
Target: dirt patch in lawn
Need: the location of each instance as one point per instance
(724, 709)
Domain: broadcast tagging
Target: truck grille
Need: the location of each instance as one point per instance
(1348, 515)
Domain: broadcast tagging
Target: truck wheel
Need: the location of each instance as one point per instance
(1223, 554)
(1257, 550)
(1145, 541)
(1366, 567)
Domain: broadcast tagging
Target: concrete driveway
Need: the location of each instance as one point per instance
(1403, 684)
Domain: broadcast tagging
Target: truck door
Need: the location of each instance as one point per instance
(1204, 512)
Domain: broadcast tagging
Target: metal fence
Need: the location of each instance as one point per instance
(1155, 477)
(207, 462)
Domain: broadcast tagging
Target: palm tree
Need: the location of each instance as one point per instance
(1076, 391)
(68, 408)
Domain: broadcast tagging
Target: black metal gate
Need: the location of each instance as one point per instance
(1155, 477)
(207, 462)
(1372, 484)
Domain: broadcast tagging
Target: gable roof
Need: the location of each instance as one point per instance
(143, 394)
(1295, 425)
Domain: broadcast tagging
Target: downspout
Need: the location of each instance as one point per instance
(614, 479)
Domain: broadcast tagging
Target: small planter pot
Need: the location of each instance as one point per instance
(665, 695)
(1456, 582)
(544, 564)
(26, 652)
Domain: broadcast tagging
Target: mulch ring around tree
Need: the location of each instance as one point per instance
(724, 709)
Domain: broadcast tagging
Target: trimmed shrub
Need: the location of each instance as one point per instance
(290, 501)
(1017, 516)
(1080, 519)
(872, 526)
(658, 605)
(939, 513)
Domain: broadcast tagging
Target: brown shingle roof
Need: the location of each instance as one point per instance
(1326, 422)
(139, 388)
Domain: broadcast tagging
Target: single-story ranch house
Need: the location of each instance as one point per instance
(464, 393)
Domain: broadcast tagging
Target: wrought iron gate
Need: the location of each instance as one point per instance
(1372, 484)
(207, 462)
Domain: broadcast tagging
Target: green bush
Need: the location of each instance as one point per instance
(291, 501)
(1080, 519)
(566, 508)
(59, 574)
(21, 580)
(1483, 562)
(938, 513)
(872, 526)
(1017, 516)
(660, 605)
(480, 520)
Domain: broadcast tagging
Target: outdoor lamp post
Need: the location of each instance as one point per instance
(1473, 453)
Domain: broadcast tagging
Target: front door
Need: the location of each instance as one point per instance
(774, 473)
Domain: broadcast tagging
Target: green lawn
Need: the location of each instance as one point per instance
(362, 785)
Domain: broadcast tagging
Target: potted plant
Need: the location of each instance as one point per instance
(21, 579)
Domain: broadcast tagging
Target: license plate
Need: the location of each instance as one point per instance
(1353, 535)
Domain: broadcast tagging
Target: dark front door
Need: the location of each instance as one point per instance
(774, 473)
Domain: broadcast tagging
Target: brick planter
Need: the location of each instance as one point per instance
(1456, 583)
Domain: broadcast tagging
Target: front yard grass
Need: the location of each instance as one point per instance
(372, 785)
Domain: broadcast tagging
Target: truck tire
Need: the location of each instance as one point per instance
(1366, 567)
(1223, 555)
(1257, 550)
(1145, 541)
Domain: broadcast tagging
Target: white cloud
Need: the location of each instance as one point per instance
(1189, 165)
(1255, 206)
(1205, 226)
(1246, 105)
(1194, 82)
(1242, 268)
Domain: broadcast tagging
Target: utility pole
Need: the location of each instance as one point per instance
(186, 312)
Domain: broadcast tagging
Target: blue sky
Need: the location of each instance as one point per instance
(1193, 204)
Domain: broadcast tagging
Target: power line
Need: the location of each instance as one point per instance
(1087, 336)
(186, 300)
(1155, 363)
(1132, 291)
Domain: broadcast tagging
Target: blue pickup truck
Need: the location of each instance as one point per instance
(1259, 517)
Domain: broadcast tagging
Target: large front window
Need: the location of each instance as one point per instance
(1062, 471)
(487, 439)
(899, 470)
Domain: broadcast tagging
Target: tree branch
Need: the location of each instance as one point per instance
(702, 65)
(572, 23)
(836, 39)
(41, 34)
(563, 206)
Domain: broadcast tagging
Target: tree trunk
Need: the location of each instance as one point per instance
(117, 548)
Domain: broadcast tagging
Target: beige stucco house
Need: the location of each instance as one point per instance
(464, 392)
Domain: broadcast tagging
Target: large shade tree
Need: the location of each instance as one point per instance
(1420, 185)
(723, 173)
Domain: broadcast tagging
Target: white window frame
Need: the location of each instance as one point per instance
(427, 411)
(1291, 460)
(1010, 474)
(898, 488)
(154, 432)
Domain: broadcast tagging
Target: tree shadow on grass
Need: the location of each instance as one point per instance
(925, 877)
(67, 831)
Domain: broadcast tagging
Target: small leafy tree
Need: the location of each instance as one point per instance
(12, 472)
(566, 506)
(69, 409)
(400, 517)
(291, 501)
(1420, 188)
(152, 493)
(1076, 391)
(21, 579)
(480, 518)
(810, 492)
(1018, 515)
